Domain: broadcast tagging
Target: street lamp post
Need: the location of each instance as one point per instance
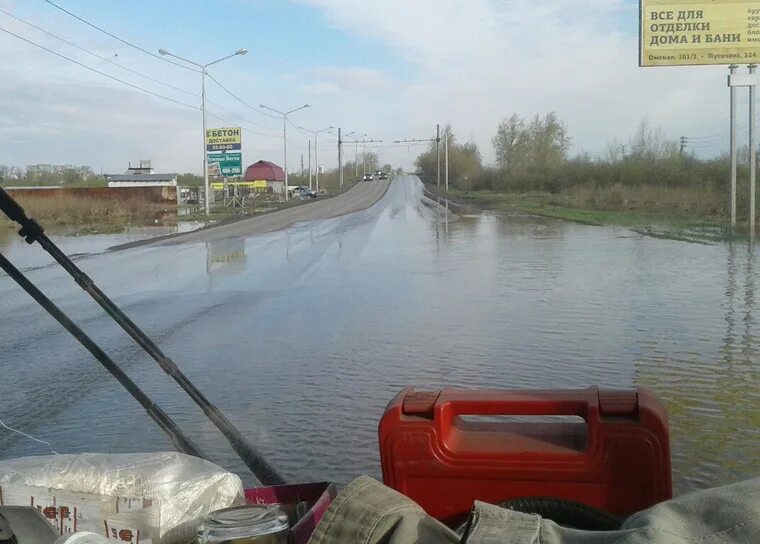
(340, 156)
(356, 153)
(203, 68)
(285, 138)
(316, 134)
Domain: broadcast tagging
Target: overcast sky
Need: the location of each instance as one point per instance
(391, 69)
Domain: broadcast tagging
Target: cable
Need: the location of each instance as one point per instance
(48, 444)
(223, 120)
(225, 89)
(106, 59)
(90, 68)
(122, 40)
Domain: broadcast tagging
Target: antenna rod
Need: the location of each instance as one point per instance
(180, 441)
(32, 231)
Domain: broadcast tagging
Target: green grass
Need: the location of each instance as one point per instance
(678, 215)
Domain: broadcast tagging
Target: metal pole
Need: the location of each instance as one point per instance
(438, 152)
(316, 156)
(285, 151)
(309, 164)
(364, 158)
(356, 159)
(732, 70)
(447, 162)
(205, 156)
(180, 441)
(752, 153)
(340, 161)
(33, 231)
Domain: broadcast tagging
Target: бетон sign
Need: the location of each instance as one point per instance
(691, 32)
(223, 139)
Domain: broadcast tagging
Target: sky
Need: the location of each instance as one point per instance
(391, 70)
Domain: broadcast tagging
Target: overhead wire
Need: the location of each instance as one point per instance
(101, 57)
(225, 120)
(122, 40)
(95, 70)
(233, 95)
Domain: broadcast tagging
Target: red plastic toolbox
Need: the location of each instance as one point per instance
(617, 458)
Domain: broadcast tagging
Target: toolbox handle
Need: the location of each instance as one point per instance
(583, 403)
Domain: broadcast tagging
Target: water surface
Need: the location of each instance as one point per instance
(302, 336)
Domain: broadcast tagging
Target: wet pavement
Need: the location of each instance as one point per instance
(303, 335)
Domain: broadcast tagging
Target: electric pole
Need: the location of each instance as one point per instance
(438, 151)
(684, 141)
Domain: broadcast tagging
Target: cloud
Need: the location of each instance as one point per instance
(477, 61)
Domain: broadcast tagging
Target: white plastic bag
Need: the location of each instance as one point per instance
(165, 495)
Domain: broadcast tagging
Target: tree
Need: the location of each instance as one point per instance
(510, 142)
(464, 161)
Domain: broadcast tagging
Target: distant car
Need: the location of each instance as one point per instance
(378, 172)
(306, 193)
(383, 176)
(367, 177)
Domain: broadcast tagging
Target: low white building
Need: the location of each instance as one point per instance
(142, 180)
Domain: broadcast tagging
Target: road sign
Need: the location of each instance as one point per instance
(225, 164)
(692, 32)
(223, 139)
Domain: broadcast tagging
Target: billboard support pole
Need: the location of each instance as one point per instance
(205, 155)
(752, 154)
(732, 70)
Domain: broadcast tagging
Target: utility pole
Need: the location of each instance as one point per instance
(340, 161)
(316, 146)
(447, 160)
(301, 165)
(284, 138)
(752, 154)
(438, 151)
(684, 140)
(364, 151)
(734, 165)
(437, 141)
(309, 164)
(203, 68)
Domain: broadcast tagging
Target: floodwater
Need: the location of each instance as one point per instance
(302, 336)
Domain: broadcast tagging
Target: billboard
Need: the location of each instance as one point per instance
(694, 32)
(223, 139)
(225, 164)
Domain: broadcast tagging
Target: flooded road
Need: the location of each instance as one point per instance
(302, 336)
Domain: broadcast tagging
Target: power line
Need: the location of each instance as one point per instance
(122, 40)
(257, 110)
(222, 119)
(90, 68)
(106, 59)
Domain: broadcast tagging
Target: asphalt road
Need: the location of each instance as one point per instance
(361, 196)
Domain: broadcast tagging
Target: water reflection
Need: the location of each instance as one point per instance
(225, 256)
(714, 407)
(402, 293)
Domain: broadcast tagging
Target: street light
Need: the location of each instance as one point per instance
(316, 149)
(284, 138)
(356, 153)
(203, 68)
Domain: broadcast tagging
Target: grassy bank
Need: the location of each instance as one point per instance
(695, 214)
(77, 215)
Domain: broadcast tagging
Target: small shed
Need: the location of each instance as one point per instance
(268, 174)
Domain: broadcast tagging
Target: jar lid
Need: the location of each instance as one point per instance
(242, 522)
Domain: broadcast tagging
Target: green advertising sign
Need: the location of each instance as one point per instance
(225, 164)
